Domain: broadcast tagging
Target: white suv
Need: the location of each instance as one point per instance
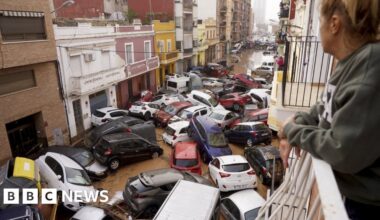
(176, 132)
(187, 113)
(103, 115)
(64, 174)
(143, 109)
(201, 98)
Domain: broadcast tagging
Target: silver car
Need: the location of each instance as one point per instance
(145, 193)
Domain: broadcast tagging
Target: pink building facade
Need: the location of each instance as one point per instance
(135, 44)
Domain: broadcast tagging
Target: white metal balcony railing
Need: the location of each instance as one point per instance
(309, 192)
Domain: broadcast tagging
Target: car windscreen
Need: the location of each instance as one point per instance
(84, 158)
(184, 114)
(252, 214)
(170, 131)
(213, 101)
(278, 169)
(216, 139)
(216, 116)
(138, 103)
(170, 110)
(235, 168)
(77, 177)
(99, 114)
(260, 127)
(185, 162)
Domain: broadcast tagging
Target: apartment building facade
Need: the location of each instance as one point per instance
(31, 107)
(96, 9)
(164, 43)
(134, 44)
(240, 20)
(224, 12)
(89, 69)
(212, 40)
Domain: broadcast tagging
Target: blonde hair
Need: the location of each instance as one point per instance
(360, 17)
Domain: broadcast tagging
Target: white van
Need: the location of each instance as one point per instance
(189, 200)
(201, 98)
(178, 83)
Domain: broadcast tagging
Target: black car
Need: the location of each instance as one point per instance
(262, 159)
(83, 157)
(114, 149)
(124, 124)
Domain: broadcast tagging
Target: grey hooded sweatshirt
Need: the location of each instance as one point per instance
(344, 128)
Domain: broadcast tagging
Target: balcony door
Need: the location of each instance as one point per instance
(147, 49)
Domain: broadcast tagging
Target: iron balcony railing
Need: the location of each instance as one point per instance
(306, 71)
(309, 192)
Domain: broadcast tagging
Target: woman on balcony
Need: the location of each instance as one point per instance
(343, 129)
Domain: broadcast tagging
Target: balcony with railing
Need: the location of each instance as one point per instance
(309, 191)
(168, 57)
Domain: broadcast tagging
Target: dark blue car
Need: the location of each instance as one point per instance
(249, 133)
(210, 138)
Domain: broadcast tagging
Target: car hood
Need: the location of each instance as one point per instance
(74, 187)
(161, 115)
(96, 167)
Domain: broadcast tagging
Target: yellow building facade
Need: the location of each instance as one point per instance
(202, 44)
(165, 47)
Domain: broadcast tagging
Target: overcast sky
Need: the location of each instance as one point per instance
(207, 8)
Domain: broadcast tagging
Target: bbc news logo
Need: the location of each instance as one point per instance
(50, 196)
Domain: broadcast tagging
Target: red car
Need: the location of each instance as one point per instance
(162, 117)
(146, 96)
(185, 157)
(256, 115)
(247, 80)
(235, 101)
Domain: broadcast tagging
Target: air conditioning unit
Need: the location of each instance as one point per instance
(89, 57)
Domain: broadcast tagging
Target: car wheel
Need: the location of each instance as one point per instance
(159, 125)
(268, 142)
(147, 116)
(250, 142)
(155, 155)
(114, 164)
(204, 157)
(236, 107)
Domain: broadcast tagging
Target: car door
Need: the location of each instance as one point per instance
(229, 210)
(233, 134)
(228, 119)
(226, 101)
(142, 149)
(214, 169)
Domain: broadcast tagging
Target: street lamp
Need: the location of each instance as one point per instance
(65, 4)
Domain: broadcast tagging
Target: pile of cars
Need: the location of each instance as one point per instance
(198, 126)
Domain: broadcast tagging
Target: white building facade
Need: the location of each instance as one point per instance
(89, 71)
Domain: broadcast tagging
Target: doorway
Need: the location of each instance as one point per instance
(78, 116)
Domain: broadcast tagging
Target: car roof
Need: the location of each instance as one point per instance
(180, 104)
(195, 108)
(179, 125)
(201, 94)
(222, 112)
(111, 138)
(269, 151)
(66, 150)
(251, 123)
(106, 109)
(209, 124)
(232, 159)
(247, 200)
(64, 160)
(185, 150)
(160, 177)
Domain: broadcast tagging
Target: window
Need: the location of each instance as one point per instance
(160, 46)
(179, 45)
(178, 22)
(169, 43)
(216, 163)
(183, 131)
(54, 166)
(129, 53)
(22, 25)
(172, 84)
(147, 50)
(118, 114)
(16, 81)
